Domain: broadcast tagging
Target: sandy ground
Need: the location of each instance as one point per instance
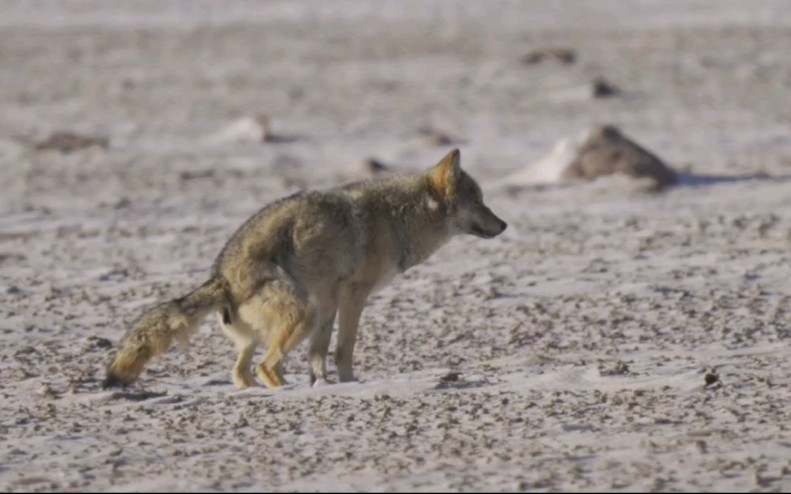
(571, 353)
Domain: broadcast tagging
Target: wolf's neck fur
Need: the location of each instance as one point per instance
(419, 218)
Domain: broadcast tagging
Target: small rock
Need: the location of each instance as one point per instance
(440, 139)
(375, 167)
(563, 55)
(450, 377)
(99, 342)
(137, 396)
(619, 369)
(607, 151)
(192, 175)
(47, 391)
(437, 138)
(601, 88)
(67, 142)
(122, 203)
(711, 378)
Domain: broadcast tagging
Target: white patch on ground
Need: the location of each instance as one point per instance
(548, 169)
(245, 129)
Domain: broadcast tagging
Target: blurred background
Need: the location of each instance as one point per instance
(176, 86)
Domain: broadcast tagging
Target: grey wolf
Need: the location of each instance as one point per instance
(301, 260)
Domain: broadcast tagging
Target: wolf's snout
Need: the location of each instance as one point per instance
(495, 226)
(500, 228)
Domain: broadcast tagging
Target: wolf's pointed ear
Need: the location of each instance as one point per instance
(445, 174)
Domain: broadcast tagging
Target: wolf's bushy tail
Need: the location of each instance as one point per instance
(155, 330)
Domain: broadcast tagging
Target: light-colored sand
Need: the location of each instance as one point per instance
(582, 336)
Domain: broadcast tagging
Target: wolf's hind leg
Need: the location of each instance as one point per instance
(246, 342)
(317, 354)
(242, 375)
(283, 313)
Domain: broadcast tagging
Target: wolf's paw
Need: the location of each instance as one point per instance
(270, 377)
(320, 383)
(349, 378)
(243, 380)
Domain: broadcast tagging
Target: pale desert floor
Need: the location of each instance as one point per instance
(582, 336)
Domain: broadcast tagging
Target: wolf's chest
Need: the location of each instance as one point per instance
(384, 277)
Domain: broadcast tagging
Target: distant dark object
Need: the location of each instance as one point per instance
(268, 136)
(136, 396)
(606, 151)
(265, 124)
(601, 88)
(711, 378)
(450, 377)
(375, 167)
(99, 342)
(437, 138)
(619, 369)
(197, 174)
(564, 55)
(67, 142)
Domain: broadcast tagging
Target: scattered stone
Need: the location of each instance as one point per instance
(122, 203)
(375, 167)
(67, 142)
(437, 138)
(602, 88)
(137, 396)
(47, 391)
(565, 56)
(97, 342)
(217, 382)
(619, 369)
(193, 175)
(450, 377)
(711, 378)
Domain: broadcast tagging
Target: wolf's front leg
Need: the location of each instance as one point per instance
(351, 308)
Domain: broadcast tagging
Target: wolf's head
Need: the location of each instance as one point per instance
(463, 199)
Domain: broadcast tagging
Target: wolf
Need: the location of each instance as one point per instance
(286, 273)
